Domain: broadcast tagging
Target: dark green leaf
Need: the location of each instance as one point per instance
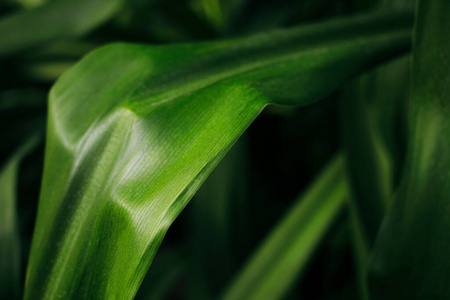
(213, 217)
(54, 20)
(10, 253)
(285, 252)
(411, 255)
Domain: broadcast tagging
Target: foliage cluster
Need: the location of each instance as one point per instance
(326, 124)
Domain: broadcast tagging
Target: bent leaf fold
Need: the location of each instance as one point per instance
(134, 130)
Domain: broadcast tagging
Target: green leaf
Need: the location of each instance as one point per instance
(134, 130)
(396, 4)
(388, 94)
(52, 21)
(369, 110)
(10, 252)
(285, 252)
(21, 111)
(410, 260)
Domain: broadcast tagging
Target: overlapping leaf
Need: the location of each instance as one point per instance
(134, 130)
(411, 254)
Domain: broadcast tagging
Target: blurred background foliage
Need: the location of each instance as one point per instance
(263, 174)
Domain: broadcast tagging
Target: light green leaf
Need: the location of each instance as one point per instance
(134, 130)
(54, 20)
(285, 252)
(10, 252)
(410, 260)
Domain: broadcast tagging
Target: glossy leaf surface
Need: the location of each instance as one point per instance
(283, 255)
(54, 20)
(134, 130)
(411, 255)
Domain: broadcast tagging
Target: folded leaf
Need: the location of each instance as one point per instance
(134, 130)
(54, 20)
(411, 257)
(285, 252)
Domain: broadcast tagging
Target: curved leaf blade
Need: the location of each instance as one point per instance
(134, 130)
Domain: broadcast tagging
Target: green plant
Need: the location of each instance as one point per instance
(134, 130)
